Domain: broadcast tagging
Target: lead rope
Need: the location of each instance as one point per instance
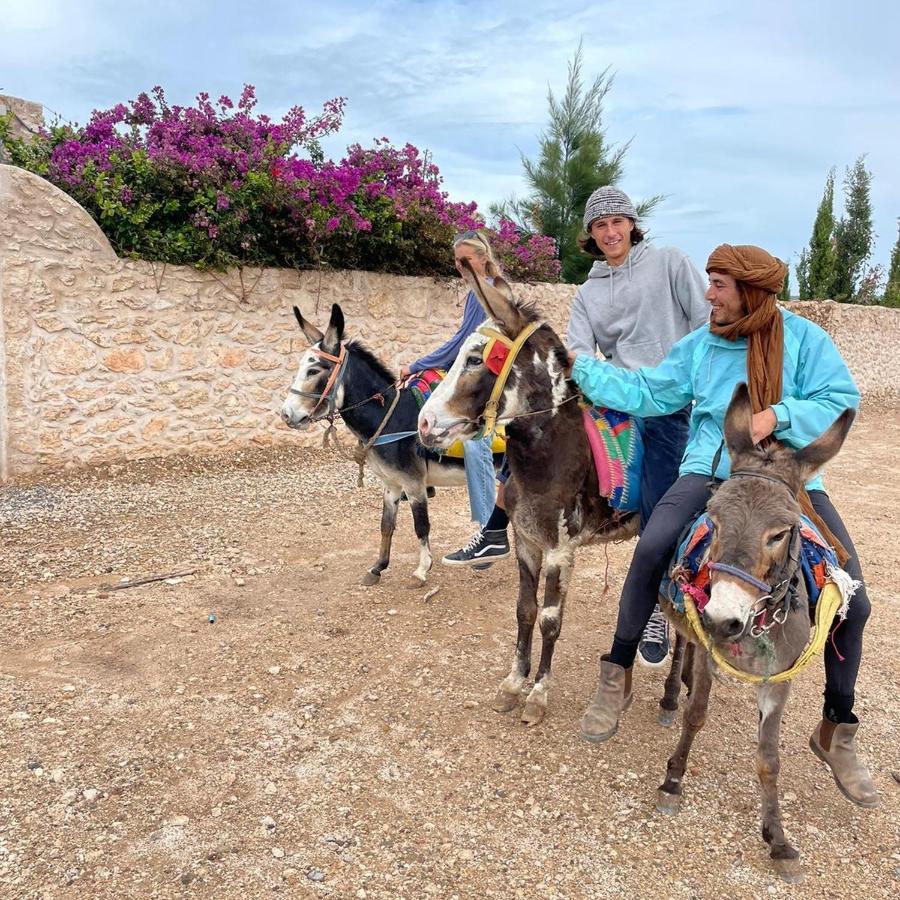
(361, 450)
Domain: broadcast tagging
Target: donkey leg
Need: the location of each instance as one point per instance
(391, 501)
(687, 666)
(423, 527)
(555, 589)
(529, 559)
(668, 797)
(669, 703)
(771, 700)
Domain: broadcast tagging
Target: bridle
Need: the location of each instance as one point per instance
(499, 355)
(329, 394)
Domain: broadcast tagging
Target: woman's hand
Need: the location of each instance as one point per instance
(405, 372)
(763, 424)
(572, 355)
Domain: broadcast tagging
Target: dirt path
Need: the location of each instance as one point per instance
(319, 738)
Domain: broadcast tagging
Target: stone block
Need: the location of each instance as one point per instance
(127, 361)
(66, 356)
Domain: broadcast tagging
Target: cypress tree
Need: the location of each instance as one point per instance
(854, 234)
(892, 288)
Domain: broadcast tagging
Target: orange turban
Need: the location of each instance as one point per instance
(752, 265)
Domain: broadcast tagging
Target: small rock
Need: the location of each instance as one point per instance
(278, 853)
(275, 670)
(90, 794)
(268, 823)
(179, 821)
(56, 775)
(470, 704)
(315, 874)
(240, 582)
(35, 764)
(271, 788)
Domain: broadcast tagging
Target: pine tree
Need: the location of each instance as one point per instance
(892, 288)
(854, 234)
(785, 294)
(574, 159)
(821, 246)
(804, 292)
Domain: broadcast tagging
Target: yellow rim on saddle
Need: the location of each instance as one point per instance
(829, 603)
(490, 409)
(498, 445)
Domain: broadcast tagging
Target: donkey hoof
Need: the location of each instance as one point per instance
(504, 702)
(666, 717)
(414, 583)
(534, 713)
(789, 870)
(668, 804)
(370, 578)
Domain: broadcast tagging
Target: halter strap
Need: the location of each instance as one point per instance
(337, 371)
(491, 407)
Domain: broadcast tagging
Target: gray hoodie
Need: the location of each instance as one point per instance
(635, 312)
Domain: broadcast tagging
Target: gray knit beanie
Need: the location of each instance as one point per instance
(607, 201)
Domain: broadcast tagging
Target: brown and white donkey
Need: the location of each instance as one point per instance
(553, 497)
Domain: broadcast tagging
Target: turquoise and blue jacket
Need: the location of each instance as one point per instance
(705, 368)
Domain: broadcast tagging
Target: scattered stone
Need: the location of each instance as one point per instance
(268, 823)
(275, 670)
(179, 821)
(271, 788)
(315, 875)
(278, 853)
(90, 794)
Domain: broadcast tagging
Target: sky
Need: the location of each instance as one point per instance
(734, 111)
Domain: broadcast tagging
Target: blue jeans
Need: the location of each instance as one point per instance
(665, 438)
(480, 478)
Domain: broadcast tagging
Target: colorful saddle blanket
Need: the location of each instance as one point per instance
(618, 451)
(817, 559)
(422, 384)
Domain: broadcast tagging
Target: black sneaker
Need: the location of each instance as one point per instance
(653, 650)
(485, 547)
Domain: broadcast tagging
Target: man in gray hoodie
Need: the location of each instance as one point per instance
(637, 302)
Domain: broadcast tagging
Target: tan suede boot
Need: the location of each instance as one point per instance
(835, 745)
(601, 719)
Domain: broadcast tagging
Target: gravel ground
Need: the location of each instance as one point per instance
(320, 738)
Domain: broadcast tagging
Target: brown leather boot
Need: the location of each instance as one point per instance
(835, 745)
(601, 719)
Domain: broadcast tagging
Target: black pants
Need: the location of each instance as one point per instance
(681, 504)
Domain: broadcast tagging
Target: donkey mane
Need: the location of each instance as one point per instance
(367, 356)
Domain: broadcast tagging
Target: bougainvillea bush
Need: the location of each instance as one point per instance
(217, 185)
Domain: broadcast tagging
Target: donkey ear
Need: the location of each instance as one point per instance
(335, 331)
(739, 423)
(313, 335)
(497, 301)
(813, 456)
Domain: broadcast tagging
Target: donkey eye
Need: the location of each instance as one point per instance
(778, 538)
(473, 360)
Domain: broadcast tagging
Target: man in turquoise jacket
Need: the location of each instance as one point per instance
(799, 384)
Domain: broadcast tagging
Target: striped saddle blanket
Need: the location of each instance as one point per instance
(618, 451)
(817, 561)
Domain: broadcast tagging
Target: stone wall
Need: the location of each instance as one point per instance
(102, 358)
(27, 116)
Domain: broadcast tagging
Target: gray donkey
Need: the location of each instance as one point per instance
(755, 516)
